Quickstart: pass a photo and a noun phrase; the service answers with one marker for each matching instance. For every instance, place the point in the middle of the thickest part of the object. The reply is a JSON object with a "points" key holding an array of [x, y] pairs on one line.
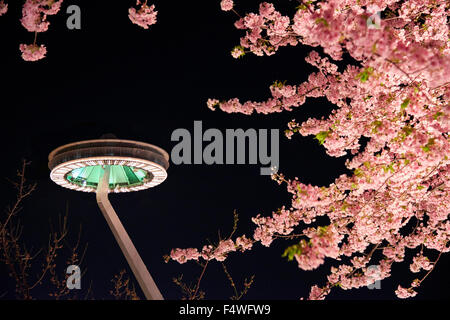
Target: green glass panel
{"points": [[122, 176], [131, 175]]}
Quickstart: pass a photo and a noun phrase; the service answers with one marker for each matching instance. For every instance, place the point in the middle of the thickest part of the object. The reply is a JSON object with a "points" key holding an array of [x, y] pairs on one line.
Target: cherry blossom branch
{"points": [[197, 287]]}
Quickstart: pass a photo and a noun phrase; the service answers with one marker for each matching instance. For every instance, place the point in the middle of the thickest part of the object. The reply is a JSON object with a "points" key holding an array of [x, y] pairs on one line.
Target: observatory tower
{"points": [[112, 165]]}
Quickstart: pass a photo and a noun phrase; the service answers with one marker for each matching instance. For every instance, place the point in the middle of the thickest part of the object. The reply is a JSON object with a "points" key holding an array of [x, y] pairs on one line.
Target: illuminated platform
{"points": [[133, 165]]}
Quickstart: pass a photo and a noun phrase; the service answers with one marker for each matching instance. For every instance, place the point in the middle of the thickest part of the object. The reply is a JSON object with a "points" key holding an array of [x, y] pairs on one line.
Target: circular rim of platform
{"points": [[60, 171], [56, 151]]}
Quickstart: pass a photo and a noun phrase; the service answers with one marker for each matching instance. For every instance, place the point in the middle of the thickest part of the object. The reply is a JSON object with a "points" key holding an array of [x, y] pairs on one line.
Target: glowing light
{"points": [[128, 174]]}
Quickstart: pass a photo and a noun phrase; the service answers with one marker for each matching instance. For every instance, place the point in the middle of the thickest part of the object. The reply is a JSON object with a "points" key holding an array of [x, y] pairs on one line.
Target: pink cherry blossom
{"points": [[244, 243], [238, 52], [395, 96], [34, 19], [183, 255], [145, 16], [317, 293], [405, 293], [3, 8], [33, 52], [35, 12], [226, 5], [420, 262]]}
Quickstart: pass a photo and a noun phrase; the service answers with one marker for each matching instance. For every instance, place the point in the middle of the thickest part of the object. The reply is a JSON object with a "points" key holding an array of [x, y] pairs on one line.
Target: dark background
{"points": [[115, 77]]}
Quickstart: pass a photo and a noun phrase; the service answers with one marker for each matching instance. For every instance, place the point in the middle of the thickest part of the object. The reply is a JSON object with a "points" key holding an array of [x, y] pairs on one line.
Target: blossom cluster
{"points": [[34, 19], [33, 52], [145, 16], [266, 31], [35, 12], [3, 7], [226, 5], [322, 243], [210, 252], [392, 120]]}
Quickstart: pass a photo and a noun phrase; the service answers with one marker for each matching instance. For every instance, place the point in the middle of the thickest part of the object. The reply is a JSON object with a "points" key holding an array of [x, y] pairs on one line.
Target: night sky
{"points": [[114, 77]]}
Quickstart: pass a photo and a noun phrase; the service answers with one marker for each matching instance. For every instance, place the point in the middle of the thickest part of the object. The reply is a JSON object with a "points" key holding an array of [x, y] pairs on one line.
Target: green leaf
{"points": [[374, 48], [427, 147], [321, 136], [293, 250], [279, 84], [358, 172], [300, 190], [322, 230], [322, 21], [407, 130], [376, 124], [437, 115], [344, 206], [389, 167], [405, 104], [364, 75], [303, 6]]}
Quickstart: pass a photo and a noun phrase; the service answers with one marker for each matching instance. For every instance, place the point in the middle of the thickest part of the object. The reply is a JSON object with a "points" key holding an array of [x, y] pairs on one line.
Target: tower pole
{"points": [[135, 262]]}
